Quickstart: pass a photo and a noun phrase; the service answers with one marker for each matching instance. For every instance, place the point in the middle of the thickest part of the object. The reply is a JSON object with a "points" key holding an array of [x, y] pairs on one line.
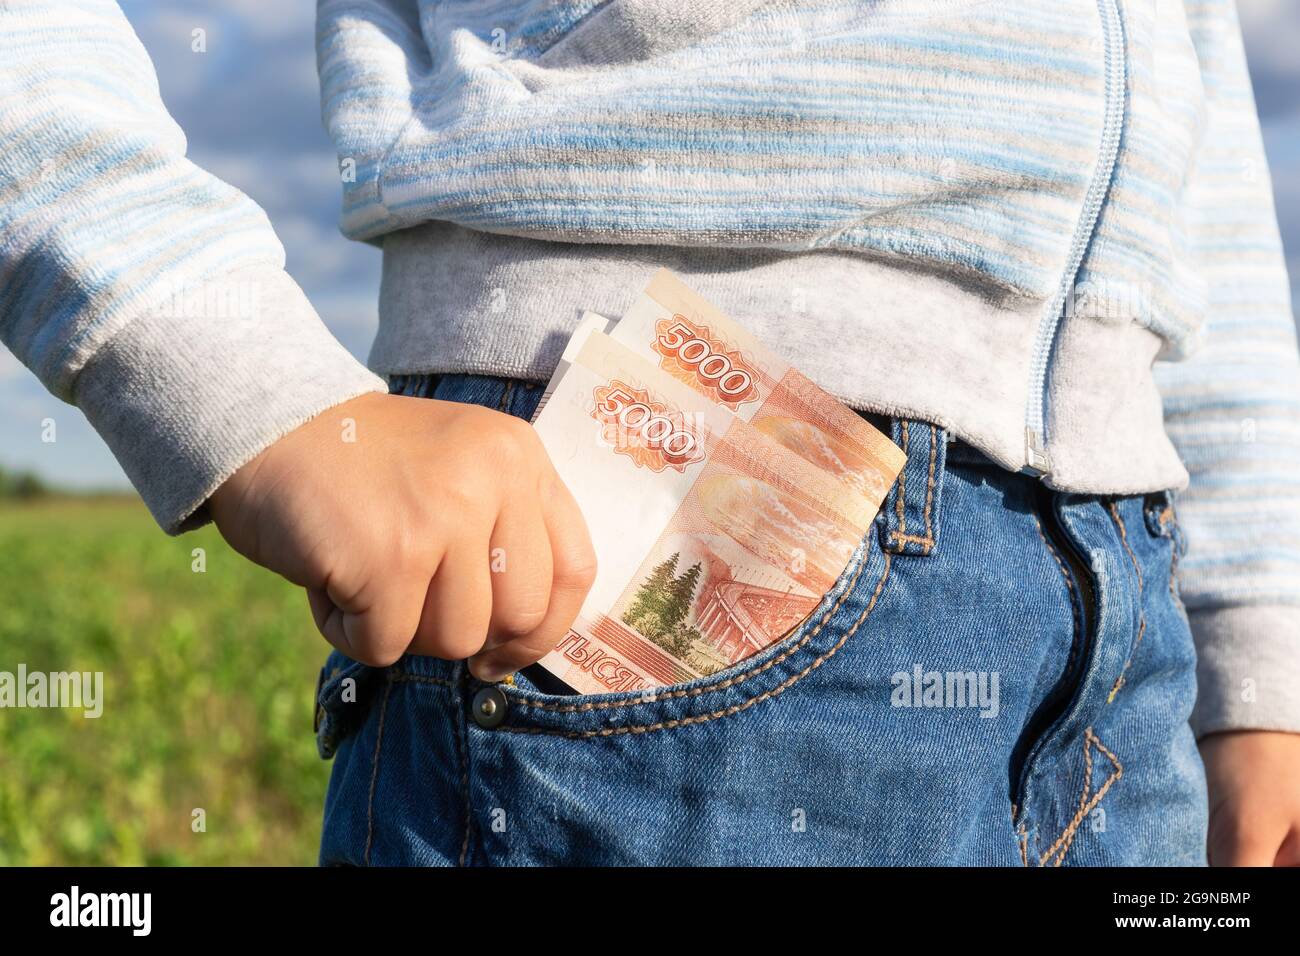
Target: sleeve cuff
{"points": [[1247, 668], [187, 393]]}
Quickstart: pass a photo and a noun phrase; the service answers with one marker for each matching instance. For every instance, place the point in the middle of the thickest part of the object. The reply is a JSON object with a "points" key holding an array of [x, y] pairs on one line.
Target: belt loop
{"points": [[1158, 511], [911, 509]]}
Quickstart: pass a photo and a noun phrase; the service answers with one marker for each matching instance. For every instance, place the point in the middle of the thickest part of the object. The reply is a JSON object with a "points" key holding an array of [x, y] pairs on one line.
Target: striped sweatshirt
{"points": [[1047, 227]]}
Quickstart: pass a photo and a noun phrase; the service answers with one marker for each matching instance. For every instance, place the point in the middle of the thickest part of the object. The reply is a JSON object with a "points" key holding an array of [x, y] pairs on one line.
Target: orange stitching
{"points": [[1120, 681], [402, 677], [1087, 771], [1142, 618], [1024, 846], [1086, 809], [926, 543], [1067, 835], [726, 711], [902, 483], [1123, 537], [374, 776], [1069, 582], [651, 698], [929, 486]]}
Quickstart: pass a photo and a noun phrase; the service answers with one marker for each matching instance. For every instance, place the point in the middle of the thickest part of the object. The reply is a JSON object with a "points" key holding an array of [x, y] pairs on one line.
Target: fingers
{"points": [[1242, 851], [520, 561], [573, 559], [458, 603], [1289, 854], [1236, 839], [373, 631], [573, 569], [502, 594]]}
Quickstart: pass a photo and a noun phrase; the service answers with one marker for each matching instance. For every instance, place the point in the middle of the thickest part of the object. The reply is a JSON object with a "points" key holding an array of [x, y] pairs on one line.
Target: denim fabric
{"points": [[817, 750]]}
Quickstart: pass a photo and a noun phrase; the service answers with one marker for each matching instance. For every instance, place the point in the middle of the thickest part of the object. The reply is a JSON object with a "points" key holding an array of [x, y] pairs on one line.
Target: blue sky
{"points": [[250, 110]]}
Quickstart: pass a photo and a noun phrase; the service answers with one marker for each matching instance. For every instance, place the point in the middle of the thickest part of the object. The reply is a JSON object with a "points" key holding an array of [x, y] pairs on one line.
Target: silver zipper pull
{"points": [[1036, 457]]}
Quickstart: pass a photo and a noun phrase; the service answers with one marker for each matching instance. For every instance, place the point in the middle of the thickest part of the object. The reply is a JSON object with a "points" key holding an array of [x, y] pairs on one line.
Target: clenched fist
{"points": [[417, 525]]}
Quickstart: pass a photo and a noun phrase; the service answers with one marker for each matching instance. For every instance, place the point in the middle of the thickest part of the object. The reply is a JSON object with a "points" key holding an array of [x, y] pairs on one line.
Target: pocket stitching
{"points": [[403, 677], [900, 538], [734, 708], [1142, 617], [1069, 582], [730, 681], [1086, 806]]}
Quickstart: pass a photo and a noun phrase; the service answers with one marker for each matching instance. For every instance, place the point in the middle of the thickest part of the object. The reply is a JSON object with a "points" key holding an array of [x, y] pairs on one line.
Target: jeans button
{"points": [[488, 708]]}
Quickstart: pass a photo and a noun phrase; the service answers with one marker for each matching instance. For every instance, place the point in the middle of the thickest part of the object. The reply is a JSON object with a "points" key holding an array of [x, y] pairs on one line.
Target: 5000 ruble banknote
{"points": [[713, 540], [688, 338]]}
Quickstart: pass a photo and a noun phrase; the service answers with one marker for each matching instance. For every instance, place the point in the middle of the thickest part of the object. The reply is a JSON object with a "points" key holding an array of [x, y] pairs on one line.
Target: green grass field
{"points": [[208, 680]]}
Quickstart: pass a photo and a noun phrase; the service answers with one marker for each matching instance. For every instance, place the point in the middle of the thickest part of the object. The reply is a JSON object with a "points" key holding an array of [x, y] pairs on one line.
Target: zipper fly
{"points": [[1037, 459]]}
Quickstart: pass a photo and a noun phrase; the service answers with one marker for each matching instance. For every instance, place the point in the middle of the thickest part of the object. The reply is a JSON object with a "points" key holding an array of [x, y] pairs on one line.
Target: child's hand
{"points": [[1254, 778], [435, 527]]}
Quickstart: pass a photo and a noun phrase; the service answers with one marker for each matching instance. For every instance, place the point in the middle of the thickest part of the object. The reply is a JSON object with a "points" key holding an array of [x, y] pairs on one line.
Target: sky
{"points": [[250, 110]]}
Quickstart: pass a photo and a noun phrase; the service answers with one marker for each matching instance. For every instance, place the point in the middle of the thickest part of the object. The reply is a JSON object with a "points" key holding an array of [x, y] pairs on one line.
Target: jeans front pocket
{"points": [[841, 613], [531, 708], [344, 693]]}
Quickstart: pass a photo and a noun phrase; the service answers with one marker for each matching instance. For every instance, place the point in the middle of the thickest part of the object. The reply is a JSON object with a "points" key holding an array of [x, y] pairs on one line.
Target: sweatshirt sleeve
{"points": [[133, 283], [1233, 411]]}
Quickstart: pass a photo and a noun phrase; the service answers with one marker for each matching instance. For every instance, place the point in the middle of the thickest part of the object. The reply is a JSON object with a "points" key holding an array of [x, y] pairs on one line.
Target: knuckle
{"points": [[514, 441], [461, 496], [523, 617], [578, 572], [379, 654], [458, 646], [537, 646], [407, 547], [449, 646]]}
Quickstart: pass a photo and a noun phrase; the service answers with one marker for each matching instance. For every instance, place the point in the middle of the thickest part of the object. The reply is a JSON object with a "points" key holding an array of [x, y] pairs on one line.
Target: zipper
{"points": [[1038, 461], [1080, 569], [1043, 723]]}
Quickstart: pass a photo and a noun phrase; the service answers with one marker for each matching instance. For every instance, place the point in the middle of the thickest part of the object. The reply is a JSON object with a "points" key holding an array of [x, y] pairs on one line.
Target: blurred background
{"points": [[209, 676]]}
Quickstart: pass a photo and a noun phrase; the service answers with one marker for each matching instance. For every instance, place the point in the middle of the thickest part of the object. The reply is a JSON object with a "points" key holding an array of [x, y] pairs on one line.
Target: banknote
{"points": [[687, 337], [588, 323], [713, 540]]}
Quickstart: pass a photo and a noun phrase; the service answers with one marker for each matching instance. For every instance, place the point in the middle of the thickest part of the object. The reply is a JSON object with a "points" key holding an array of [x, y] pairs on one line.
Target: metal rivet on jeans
{"points": [[489, 707]]}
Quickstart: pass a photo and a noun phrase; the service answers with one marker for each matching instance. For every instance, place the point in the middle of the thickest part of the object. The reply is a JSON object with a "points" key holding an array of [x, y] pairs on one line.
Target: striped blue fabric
{"points": [[101, 215], [1233, 408], [956, 138]]}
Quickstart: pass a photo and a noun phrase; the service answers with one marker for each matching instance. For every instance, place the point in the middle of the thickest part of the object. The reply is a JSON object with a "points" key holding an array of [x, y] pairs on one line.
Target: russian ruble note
{"points": [[713, 540], [688, 338]]}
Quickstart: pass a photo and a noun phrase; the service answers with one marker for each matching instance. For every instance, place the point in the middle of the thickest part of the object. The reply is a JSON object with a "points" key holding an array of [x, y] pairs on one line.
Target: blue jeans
{"points": [[1002, 676]]}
